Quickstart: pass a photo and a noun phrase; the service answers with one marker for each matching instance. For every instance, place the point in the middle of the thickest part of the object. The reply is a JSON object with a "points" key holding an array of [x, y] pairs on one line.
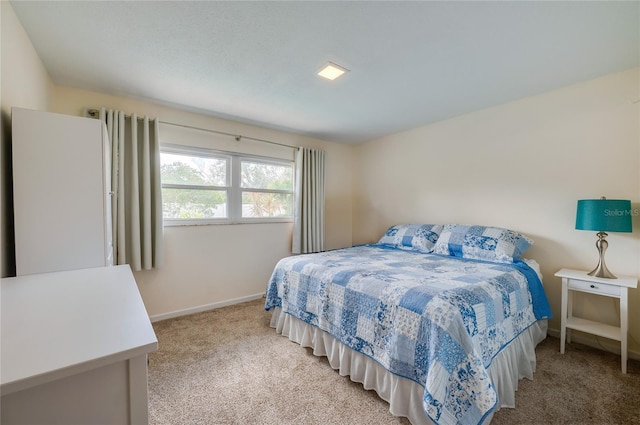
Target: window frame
{"points": [[234, 189]]}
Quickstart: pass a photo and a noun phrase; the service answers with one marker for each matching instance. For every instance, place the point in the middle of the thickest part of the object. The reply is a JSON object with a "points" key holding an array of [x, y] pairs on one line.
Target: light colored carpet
{"points": [[227, 366]]}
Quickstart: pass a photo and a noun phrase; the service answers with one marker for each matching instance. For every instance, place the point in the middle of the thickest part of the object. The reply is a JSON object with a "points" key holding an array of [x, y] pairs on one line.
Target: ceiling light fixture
{"points": [[331, 71]]}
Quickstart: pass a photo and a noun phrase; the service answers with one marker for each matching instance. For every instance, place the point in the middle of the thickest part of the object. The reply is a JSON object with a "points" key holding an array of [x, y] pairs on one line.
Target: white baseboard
{"points": [[206, 307], [595, 342]]}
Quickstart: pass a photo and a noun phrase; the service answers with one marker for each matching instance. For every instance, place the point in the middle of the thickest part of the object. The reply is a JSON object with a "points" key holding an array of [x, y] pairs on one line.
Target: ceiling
{"points": [[411, 63]]}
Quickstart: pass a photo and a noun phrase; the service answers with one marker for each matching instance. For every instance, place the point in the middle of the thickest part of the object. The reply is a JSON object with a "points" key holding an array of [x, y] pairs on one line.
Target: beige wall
{"points": [[24, 83], [212, 265], [521, 165]]}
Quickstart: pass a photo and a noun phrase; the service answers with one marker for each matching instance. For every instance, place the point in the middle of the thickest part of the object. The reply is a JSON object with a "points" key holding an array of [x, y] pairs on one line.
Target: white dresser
{"points": [[74, 348]]}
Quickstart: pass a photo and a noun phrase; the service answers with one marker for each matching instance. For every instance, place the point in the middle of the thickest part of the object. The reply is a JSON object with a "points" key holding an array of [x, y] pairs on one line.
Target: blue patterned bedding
{"points": [[434, 319]]}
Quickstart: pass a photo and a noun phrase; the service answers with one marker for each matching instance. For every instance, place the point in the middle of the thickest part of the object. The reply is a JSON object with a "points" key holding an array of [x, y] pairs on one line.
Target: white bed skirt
{"points": [[516, 361]]}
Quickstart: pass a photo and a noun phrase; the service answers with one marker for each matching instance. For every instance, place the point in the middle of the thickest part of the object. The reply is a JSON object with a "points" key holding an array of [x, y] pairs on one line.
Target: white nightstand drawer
{"points": [[595, 288]]}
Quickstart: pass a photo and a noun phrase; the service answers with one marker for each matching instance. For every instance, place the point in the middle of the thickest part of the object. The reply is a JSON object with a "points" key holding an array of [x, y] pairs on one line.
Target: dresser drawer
{"points": [[594, 288]]}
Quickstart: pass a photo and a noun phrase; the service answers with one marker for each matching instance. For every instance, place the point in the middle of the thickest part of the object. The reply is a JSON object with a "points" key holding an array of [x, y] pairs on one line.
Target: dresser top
{"points": [[59, 324]]}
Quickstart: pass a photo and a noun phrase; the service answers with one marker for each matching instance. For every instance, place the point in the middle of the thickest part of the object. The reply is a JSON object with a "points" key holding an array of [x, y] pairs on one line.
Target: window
{"points": [[201, 186], [267, 189]]}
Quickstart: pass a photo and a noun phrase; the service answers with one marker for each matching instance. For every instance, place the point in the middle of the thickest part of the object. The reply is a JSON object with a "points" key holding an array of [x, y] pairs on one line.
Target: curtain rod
{"points": [[94, 113]]}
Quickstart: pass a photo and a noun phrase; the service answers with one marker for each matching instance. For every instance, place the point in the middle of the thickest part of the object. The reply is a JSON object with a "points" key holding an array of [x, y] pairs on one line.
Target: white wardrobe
{"points": [[62, 192]]}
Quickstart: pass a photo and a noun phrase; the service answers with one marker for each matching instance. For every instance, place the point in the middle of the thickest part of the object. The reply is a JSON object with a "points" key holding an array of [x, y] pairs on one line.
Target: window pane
{"points": [[193, 170], [256, 175], [191, 203], [260, 204]]}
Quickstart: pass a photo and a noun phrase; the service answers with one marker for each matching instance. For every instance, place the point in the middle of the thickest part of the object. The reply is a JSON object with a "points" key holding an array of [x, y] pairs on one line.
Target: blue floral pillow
{"points": [[417, 237], [482, 243]]}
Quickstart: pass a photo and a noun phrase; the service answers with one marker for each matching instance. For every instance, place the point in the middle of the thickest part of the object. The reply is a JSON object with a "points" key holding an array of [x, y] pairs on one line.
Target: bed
{"points": [[440, 320]]}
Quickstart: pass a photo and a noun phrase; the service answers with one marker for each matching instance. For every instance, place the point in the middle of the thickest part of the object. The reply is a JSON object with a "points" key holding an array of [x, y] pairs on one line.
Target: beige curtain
{"points": [[308, 216], [135, 180]]}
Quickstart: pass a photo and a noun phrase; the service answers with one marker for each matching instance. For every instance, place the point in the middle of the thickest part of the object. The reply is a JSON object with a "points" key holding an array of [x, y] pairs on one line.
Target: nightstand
{"points": [[576, 280]]}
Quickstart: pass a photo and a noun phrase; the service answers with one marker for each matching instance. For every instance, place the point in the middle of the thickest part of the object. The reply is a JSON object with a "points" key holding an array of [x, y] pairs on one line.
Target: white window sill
{"points": [[180, 223]]}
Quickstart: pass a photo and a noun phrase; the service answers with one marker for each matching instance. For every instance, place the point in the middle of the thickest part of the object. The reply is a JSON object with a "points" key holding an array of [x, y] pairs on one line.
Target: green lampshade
{"points": [[604, 215]]}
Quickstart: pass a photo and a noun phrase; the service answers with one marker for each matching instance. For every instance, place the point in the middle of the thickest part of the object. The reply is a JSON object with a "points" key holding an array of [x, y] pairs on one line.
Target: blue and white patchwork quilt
{"points": [[437, 320]]}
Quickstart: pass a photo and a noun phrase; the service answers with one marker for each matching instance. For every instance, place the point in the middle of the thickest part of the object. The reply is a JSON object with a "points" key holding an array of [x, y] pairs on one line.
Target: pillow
{"points": [[418, 237], [482, 243]]}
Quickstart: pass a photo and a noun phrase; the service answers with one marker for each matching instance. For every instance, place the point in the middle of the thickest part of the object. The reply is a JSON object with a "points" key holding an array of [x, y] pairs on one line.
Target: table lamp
{"points": [[603, 215]]}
